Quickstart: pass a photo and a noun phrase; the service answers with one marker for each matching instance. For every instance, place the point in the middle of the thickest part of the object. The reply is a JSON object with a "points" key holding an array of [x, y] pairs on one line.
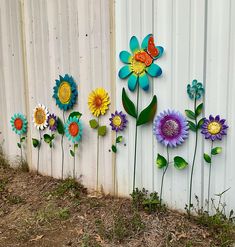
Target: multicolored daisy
{"points": [[170, 128], [137, 67], [40, 115], [118, 121], [73, 129], [65, 92], [19, 123], [214, 128], [52, 122], [98, 102]]}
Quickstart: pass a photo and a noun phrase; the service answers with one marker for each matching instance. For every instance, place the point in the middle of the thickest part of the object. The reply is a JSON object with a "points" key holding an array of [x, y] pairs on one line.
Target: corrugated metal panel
{"points": [[42, 39]]}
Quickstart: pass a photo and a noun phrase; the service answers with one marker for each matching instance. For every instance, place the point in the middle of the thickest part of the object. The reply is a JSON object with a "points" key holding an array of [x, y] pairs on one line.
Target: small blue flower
{"points": [[73, 129], [196, 90], [140, 63], [19, 123], [65, 92]]}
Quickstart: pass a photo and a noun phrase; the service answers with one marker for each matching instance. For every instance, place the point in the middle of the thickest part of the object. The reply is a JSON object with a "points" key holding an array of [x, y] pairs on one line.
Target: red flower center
{"points": [[18, 123], [98, 101], [73, 129]]}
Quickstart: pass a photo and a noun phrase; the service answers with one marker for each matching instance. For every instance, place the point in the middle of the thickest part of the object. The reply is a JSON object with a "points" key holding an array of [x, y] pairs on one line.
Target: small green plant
{"points": [[89, 241], [3, 184], [152, 203], [4, 163], [63, 213], [14, 199], [138, 197]]}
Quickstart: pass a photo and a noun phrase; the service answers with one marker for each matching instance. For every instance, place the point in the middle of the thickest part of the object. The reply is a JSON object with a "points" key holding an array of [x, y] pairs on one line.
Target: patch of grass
{"points": [[24, 166], [14, 199], [63, 213], [4, 162], [89, 241], [3, 184], [69, 187]]}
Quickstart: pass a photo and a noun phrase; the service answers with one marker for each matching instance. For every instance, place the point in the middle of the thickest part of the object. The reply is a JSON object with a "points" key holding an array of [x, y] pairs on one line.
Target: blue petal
{"points": [[144, 81], [125, 56], [145, 41], [134, 44], [132, 81], [154, 70], [124, 72], [161, 50]]}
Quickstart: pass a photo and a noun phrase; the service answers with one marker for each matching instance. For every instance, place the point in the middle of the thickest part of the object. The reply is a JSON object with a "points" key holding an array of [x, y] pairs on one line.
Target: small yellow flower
{"points": [[98, 102]]}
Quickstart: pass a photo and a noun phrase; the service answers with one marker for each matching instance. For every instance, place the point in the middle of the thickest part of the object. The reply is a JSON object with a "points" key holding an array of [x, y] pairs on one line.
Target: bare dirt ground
{"points": [[41, 211]]}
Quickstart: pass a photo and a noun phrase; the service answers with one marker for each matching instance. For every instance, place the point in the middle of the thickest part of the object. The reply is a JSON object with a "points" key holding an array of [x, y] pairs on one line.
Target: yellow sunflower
{"points": [[98, 102]]}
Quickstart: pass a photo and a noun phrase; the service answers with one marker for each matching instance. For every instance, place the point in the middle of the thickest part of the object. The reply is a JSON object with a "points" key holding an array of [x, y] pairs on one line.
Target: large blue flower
{"points": [[19, 123], [140, 63], [73, 129], [65, 92]]}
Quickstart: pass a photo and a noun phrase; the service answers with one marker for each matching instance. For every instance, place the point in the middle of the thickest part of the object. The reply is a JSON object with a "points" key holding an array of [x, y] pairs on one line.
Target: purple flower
{"points": [[118, 121], [170, 128], [52, 122], [214, 128]]}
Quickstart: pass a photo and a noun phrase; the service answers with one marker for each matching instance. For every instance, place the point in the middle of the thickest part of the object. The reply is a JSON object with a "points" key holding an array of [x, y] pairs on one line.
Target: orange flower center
{"points": [[98, 101], [73, 129], [18, 123]]}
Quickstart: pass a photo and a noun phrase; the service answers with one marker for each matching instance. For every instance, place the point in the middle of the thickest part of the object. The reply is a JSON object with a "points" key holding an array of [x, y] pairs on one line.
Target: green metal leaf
{"points": [[114, 148], [93, 123], [19, 145], [190, 114], [148, 113], [47, 138], [50, 144], [180, 163], [199, 110], [72, 153], [128, 104], [60, 126], [192, 126], [216, 150], [119, 139], [102, 131], [35, 142], [200, 123], [207, 158], [75, 114], [75, 145], [22, 139], [161, 161]]}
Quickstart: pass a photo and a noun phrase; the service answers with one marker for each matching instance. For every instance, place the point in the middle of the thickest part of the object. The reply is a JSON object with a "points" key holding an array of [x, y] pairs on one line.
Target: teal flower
{"points": [[73, 129], [65, 92], [196, 90], [140, 62], [19, 123]]}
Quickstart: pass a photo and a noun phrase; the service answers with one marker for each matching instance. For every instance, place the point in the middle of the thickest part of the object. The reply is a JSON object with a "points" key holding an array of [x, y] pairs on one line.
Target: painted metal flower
{"points": [[214, 128], [73, 129], [118, 121], [19, 123], [40, 115], [65, 92], [98, 102], [140, 62], [52, 122], [170, 128], [196, 90]]}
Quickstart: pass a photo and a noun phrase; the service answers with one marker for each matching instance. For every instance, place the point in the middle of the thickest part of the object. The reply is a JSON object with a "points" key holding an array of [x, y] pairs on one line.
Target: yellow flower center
{"points": [[137, 67], [64, 92], [214, 128], [40, 116], [117, 121], [51, 121]]}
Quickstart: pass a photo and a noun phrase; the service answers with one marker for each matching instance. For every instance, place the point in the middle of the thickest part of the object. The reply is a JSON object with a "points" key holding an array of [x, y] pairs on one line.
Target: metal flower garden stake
{"points": [[73, 131], [170, 129], [40, 115], [213, 128], [140, 64], [118, 122], [195, 93], [65, 94], [19, 125], [98, 102]]}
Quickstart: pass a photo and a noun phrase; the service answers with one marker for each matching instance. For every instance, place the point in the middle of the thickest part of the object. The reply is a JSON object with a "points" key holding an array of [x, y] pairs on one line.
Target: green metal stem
{"points": [[209, 181], [97, 161], [62, 151], [39, 146]]}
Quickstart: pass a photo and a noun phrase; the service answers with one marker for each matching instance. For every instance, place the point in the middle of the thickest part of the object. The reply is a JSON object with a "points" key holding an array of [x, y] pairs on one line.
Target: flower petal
{"points": [[161, 50], [144, 44], [134, 44], [125, 56], [144, 81], [124, 72], [132, 81], [154, 70]]}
